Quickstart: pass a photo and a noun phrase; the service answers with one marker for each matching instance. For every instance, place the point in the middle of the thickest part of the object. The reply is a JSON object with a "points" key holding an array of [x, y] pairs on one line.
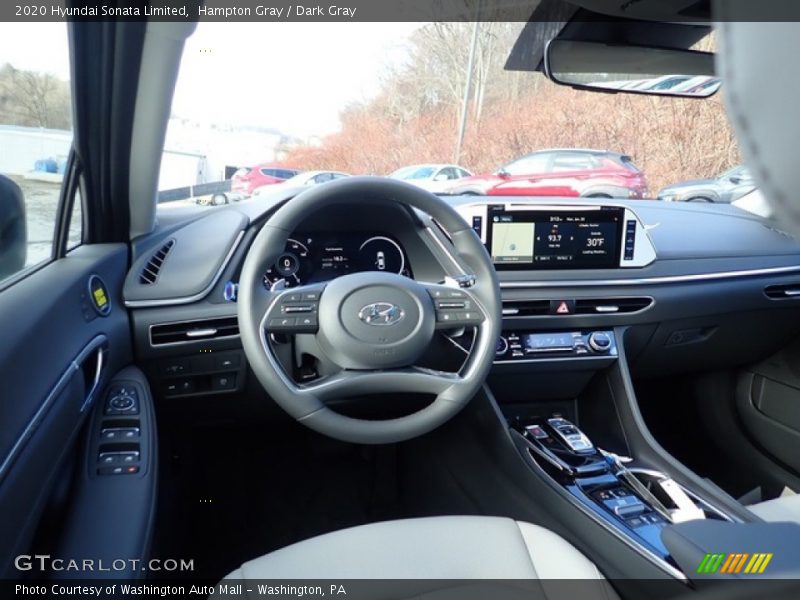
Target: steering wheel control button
{"points": [[309, 321], [295, 311], [282, 323], [454, 308]]}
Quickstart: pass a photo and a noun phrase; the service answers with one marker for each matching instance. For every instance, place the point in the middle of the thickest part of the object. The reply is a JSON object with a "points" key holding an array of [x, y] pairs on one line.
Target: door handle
{"points": [[93, 362]]}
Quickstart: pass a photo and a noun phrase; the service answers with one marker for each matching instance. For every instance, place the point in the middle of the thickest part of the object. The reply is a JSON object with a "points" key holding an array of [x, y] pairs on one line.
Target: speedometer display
{"points": [[312, 258]]}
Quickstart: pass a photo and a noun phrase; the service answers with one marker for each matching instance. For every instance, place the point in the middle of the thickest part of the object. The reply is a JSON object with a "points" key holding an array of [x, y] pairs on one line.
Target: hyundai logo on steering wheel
{"points": [[381, 314]]}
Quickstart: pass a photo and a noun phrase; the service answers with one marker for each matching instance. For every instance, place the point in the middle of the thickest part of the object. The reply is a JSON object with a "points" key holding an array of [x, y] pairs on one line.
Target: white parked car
{"points": [[434, 178], [306, 178]]}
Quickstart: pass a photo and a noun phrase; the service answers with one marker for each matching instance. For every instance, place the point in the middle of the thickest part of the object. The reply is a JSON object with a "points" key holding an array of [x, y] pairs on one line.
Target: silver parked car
{"points": [[726, 188]]}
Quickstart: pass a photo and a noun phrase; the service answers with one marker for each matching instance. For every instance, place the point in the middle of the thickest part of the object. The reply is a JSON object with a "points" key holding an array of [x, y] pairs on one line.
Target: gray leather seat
{"points": [[785, 508], [457, 547]]}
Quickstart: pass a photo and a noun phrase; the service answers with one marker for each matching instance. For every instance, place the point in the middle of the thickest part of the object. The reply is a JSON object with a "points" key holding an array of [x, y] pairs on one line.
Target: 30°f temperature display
{"points": [[573, 238]]}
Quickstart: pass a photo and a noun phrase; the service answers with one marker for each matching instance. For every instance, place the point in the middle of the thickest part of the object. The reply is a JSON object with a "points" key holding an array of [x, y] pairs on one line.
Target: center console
{"points": [[634, 502]]}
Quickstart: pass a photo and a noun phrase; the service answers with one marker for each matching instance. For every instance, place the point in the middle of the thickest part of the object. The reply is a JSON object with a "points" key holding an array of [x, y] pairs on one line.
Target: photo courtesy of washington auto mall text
{"points": [[219, 591]]}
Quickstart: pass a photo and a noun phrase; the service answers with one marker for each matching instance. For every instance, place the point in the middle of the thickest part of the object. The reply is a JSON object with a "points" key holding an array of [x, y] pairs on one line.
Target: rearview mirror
{"points": [[631, 69], [13, 232]]}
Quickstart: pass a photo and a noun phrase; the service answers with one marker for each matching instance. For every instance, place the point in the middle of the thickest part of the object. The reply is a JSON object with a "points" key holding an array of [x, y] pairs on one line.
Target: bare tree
{"points": [[34, 99]]}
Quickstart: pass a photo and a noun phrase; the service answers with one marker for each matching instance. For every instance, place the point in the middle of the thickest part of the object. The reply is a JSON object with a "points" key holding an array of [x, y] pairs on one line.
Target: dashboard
{"points": [[685, 283], [313, 257]]}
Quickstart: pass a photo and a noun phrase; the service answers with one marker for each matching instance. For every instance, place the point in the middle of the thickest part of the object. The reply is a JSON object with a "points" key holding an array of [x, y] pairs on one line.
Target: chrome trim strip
{"points": [[73, 367], [650, 280], [198, 296], [549, 359], [201, 333]]}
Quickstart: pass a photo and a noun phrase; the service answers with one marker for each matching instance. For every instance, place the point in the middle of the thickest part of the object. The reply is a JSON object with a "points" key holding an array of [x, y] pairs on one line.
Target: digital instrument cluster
{"points": [[311, 258]]}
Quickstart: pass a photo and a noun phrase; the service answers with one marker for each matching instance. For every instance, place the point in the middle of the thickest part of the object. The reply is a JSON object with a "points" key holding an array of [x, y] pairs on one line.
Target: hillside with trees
{"points": [[415, 117]]}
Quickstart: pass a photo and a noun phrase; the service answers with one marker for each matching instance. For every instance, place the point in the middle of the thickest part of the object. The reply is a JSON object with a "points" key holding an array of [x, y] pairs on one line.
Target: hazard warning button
{"points": [[562, 307]]}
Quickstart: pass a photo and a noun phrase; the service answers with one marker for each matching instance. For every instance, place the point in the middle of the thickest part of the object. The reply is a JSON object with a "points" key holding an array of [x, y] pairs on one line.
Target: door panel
{"points": [[56, 356]]}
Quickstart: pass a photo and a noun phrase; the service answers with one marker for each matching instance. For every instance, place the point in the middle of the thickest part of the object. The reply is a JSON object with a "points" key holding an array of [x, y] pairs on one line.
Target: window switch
{"points": [[118, 470]]}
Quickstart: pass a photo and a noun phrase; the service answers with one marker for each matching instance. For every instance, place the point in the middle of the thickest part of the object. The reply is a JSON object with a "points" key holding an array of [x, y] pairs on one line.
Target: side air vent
{"points": [[193, 331], [150, 272], [783, 291], [594, 306]]}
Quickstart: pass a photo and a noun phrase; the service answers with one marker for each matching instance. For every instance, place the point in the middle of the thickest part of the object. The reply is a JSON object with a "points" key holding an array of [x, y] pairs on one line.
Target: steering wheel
{"points": [[373, 326]]}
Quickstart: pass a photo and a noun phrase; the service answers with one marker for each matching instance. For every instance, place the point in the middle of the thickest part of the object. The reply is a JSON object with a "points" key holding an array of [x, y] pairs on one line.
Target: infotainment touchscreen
{"points": [[587, 238]]}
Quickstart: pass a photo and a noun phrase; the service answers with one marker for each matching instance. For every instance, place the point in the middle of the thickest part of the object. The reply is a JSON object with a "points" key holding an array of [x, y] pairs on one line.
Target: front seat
{"points": [[762, 105], [784, 508], [456, 547]]}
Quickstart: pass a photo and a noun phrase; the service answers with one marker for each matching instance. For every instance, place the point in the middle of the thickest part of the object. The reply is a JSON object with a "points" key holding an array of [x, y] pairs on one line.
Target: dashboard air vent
{"points": [[582, 306], [150, 272], [594, 306], [526, 308], [782, 291], [193, 331]]}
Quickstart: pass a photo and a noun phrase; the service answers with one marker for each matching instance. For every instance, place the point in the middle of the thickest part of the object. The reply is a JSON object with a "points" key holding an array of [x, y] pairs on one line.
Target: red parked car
{"points": [[247, 179], [568, 172]]}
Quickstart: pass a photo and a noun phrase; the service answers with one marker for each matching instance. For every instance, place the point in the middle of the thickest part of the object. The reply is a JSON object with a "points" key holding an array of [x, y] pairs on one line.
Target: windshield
{"points": [[405, 100]]}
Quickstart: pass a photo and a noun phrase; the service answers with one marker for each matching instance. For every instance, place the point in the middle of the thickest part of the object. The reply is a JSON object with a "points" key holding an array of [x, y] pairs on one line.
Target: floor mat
{"points": [[231, 494]]}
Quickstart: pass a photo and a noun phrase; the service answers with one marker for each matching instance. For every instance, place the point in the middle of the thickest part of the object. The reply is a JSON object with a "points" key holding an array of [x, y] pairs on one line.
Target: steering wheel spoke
{"points": [[455, 307], [294, 310], [359, 383]]}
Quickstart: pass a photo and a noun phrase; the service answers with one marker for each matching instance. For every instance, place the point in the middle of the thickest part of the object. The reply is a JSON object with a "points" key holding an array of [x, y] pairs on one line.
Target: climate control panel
{"points": [[529, 346]]}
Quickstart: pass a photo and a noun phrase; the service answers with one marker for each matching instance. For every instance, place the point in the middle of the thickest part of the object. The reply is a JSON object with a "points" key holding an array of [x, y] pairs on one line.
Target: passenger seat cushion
{"points": [[785, 508]]}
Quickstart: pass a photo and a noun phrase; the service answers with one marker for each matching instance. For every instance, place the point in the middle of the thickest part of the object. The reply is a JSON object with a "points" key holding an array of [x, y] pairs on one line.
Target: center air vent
{"points": [[593, 306], [193, 331], [582, 306], [150, 272], [782, 291], [526, 308]]}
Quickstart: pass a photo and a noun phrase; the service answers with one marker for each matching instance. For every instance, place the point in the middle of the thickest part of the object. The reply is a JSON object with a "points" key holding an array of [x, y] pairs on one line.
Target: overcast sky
{"points": [[295, 77]]}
